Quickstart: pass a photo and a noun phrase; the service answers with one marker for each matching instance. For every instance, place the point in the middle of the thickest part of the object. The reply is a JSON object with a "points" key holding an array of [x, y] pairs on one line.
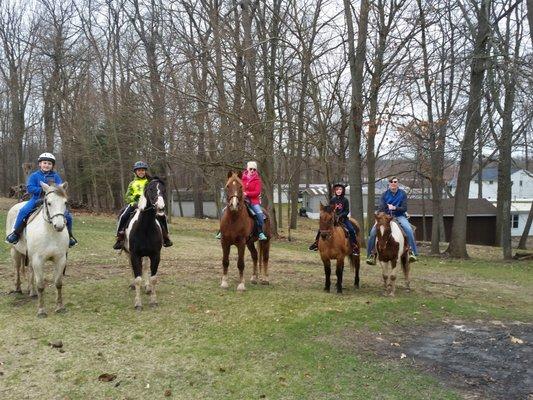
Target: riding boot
{"points": [[355, 249], [14, 236], [71, 239], [164, 230], [119, 244]]}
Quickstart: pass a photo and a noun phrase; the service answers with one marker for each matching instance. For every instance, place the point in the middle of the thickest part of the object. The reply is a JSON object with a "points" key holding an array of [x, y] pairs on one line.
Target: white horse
{"points": [[44, 239]]}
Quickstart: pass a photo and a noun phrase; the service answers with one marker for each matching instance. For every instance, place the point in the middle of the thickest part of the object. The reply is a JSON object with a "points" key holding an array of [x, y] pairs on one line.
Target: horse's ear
{"points": [[45, 187], [240, 174], [64, 185], [230, 174]]}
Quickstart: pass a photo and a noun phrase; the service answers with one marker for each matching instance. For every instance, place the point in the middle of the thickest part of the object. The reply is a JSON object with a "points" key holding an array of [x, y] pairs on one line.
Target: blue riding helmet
{"points": [[139, 165]]}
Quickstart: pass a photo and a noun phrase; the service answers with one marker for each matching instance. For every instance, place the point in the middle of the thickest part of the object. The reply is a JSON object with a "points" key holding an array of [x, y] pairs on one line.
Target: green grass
{"points": [[289, 340]]}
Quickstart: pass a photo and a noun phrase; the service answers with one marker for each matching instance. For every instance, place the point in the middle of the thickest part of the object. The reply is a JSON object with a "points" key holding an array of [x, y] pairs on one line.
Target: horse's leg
{"points": [[327, 273], [392, 277], [406, 270], [385, 274], [146, 275], [356, 263], [136, 264], [38, 273], [253, 253], [240, 266], [264, 254], [154, 264], [225, 264], [17, 264], [31, 281], [58, 281], [339, 271]]}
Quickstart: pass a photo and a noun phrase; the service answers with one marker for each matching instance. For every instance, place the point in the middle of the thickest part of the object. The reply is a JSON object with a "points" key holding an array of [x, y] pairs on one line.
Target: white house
{"points": [[519, 212], [522, 184]]}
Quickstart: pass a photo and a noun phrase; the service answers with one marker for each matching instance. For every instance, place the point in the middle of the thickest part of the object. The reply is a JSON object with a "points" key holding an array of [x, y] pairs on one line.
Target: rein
{"points": [[46, 215]]}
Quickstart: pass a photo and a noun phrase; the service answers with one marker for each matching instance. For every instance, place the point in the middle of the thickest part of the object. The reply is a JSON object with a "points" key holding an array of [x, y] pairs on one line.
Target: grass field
{"points": [[289, 340]]}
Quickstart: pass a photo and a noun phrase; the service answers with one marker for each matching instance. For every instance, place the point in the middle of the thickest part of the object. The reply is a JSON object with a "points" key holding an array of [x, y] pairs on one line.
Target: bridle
{"points": [[46, 215], [329, 232], [151, 203]]}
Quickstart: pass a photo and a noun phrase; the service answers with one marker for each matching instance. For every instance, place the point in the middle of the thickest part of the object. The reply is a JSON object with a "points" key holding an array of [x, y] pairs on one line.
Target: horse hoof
{"points": [[253, 280], [42, 314], [132, 286], [61, 310], [33, 296], [139, 308], [148, 290], [241, 287], [154, 304], [264, 282], [16, 291], [224, 285], [326, 289]]}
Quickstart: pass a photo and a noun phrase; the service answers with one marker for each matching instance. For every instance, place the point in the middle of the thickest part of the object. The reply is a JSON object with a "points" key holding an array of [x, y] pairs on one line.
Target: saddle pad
{"points": [[34, 212]]}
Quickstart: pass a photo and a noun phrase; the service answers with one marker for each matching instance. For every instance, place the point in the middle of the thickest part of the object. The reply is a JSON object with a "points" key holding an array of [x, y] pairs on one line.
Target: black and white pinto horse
{"points": [[144, 238]]}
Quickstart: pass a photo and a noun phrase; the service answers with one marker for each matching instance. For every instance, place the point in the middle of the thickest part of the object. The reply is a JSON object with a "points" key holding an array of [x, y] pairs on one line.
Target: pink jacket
{"points": [[252, 185]]}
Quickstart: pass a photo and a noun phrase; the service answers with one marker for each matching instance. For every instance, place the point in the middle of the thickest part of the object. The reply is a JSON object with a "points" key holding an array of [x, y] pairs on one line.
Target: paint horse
{"points": [[44, 239], [334, 245], [391, 248], [144, 238], [238, 228]]}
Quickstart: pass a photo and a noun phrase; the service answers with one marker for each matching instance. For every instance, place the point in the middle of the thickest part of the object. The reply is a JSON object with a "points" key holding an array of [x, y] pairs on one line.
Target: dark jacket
{"points": [[398, 199], [341, 205]]}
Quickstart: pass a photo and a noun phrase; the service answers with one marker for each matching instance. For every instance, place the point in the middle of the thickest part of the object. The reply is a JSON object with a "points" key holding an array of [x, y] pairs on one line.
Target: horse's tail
{"points": [[359, 232]]}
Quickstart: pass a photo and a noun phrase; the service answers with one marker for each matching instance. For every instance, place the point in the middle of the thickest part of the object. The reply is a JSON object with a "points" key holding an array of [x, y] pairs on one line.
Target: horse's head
{"points": [[55, 205], [383, 230], [328, 219], [382, 219], [234, 191], [153, 196]]}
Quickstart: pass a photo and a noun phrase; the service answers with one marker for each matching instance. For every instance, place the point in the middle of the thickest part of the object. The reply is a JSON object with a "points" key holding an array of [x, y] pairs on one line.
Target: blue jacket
{"points": [[398, 199], [33, 186]]}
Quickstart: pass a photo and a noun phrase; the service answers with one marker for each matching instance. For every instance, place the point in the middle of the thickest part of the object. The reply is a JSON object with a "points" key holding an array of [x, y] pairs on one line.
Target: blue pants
{"points": [[351, 229], [406, 226], [259, 216], [25, 211]]}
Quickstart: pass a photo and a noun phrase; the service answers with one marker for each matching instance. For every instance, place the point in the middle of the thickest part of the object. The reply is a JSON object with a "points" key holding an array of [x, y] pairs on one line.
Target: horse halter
{"points": [[149, 200], [46, 215], [329, 232]]}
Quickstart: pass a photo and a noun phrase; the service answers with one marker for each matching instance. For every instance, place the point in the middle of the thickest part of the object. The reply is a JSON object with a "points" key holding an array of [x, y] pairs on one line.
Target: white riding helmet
{"points": [[251, 164], [47, 157]]}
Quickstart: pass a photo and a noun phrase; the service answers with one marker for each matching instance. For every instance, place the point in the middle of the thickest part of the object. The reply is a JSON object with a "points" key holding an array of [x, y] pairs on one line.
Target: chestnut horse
{"points": [[237, 228], [334, 245], [391, 248]]}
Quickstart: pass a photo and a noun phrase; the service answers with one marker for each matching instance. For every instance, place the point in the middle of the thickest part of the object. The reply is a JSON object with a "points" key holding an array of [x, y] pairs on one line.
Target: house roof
{"points": [[476, 207], [491, 173]]}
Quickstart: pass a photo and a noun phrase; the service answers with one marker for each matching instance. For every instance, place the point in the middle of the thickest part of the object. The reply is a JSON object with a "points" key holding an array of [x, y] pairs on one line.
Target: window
{"points": [[520, 183], [491, 182], [514, 221]]}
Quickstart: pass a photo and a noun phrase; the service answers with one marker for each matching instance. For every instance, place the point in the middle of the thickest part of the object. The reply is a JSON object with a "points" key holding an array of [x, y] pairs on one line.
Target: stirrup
{"points": [[314, 246], [371, 260], [262, 236], [72, 241], [412, 257], [218, 235], [119, 244], [167, 242]]}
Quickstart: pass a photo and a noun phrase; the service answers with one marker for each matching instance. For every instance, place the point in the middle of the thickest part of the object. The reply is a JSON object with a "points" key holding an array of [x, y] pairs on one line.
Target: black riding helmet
{"points": [[341, 185], [139, 165]]}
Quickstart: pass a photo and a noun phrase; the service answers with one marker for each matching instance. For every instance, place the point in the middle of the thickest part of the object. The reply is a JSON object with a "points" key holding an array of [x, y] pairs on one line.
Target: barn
{"points": [[481, 220]]}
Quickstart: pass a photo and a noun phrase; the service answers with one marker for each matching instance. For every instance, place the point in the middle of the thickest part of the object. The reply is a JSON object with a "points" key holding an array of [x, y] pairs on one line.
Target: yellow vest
{"points": [[135, 190]]}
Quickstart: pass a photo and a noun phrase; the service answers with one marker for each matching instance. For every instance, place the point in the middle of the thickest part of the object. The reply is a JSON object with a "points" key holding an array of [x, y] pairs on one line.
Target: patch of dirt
{"points": [[482, 359]]}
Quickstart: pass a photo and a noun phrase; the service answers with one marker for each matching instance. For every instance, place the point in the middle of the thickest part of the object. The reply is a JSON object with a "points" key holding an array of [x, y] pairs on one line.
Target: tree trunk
{"points": [[457, 247]]}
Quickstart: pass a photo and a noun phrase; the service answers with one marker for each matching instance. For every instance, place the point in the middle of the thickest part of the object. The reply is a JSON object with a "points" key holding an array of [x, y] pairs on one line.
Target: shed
{"points": [[187, 204], [480, 225]]}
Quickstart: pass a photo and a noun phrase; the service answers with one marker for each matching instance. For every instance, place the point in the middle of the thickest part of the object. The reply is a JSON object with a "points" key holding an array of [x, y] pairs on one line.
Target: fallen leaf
{"points": [[395, 344], [403, 355], [168, 393], [107, 377], [516, 340]]}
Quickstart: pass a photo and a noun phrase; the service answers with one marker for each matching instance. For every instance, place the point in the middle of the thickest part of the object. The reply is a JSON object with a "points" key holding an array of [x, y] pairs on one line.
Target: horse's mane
{"points": [[328, 208], [234, 177], [59, 190]]}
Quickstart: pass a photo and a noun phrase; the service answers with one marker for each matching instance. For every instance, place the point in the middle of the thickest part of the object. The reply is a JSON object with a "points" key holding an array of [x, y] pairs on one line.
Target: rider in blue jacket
{"points": [[393, 202], [45, 174]]}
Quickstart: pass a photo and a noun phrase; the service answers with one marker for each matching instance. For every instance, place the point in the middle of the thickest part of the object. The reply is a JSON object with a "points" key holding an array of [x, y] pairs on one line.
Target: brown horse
{"points": [[391, 247], [334, 245], [237, 228]]}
